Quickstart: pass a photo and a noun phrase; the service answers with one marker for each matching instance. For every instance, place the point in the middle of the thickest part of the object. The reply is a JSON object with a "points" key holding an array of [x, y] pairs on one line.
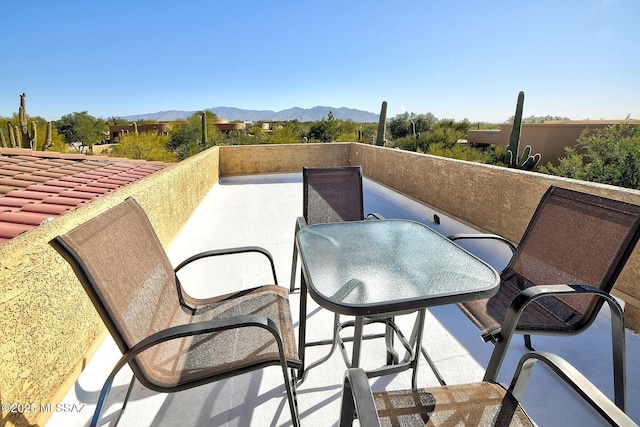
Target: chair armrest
{"points": [[570, 375], [532, 293], [191, 329], [478, 236], [526, 296], [357, 400], [199, 328], [231, 251]]}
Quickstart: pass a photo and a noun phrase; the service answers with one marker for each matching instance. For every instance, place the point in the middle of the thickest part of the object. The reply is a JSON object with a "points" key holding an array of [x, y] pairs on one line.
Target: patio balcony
{"points": [[58, 350]]}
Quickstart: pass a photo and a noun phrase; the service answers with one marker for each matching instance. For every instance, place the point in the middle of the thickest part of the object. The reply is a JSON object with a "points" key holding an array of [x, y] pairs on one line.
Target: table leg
{"points": [[357, 342], [392, 355], [416, 338], [416, 359]]}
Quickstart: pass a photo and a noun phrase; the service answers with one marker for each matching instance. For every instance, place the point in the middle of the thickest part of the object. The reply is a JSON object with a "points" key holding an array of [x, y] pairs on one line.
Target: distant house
{"points": [[162, 128], [548, 138]]}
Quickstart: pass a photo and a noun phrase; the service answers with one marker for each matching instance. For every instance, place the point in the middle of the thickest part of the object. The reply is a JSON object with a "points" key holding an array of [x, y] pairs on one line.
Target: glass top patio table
{"points": [[378, 269], [362, 268]]}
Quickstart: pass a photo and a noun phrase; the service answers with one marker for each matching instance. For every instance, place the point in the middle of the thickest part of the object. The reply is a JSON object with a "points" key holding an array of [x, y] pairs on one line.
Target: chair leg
{"points": [[290, 384], [105, 392], [294, 269], [527, 342], [619, 353], [126, 399], [294, 262]]}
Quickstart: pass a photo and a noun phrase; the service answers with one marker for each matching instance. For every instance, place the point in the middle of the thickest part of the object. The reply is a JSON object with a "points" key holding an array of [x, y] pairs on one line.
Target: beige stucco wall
{"points": [[48, 326], [47, 323], [491, 198], [494, 199], [252, 159]]}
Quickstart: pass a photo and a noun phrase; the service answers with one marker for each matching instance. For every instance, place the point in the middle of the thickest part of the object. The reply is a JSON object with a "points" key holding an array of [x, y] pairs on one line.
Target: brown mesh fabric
{"points": [[480, 404], [573, 238], [332, 194], [133, 286]]}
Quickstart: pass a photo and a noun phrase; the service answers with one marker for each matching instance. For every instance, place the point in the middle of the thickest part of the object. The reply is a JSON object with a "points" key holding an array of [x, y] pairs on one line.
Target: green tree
{"points": [[403, 125], [287, 133], [81, 127], [325, 130], [610, 155], [464, 152], [347, 131], [185, 139], [57, 143], [537, 119], [145, 146], [117, 121]]}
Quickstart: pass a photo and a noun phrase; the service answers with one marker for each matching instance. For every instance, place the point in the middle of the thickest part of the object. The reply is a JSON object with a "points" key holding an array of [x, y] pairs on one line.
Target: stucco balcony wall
{"points": [[48, 325], [490, 198], [493, 199]]}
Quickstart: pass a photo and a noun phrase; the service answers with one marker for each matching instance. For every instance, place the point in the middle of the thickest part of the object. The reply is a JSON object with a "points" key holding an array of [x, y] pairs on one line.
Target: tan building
{"points": [[160, 128], [163, 128], [548, 138]]}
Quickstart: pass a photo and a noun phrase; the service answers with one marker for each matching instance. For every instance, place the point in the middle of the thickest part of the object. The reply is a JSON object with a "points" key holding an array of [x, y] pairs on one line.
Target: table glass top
{"points": [[370, 263]]}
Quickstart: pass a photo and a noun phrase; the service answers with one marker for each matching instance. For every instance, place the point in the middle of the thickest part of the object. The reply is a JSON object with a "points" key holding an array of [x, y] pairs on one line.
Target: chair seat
{"points": [[476, 404], [187, 359], [548, 313], [171, 340]]}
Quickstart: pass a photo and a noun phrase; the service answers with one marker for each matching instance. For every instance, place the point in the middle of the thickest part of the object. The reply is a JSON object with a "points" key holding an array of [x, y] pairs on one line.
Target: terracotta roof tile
{"points": [[36, 186], [21, 217], [16, 182], [47, 208], [104, 185], [14, 201], [27, 194], [9, 230], [54, 189], [75, 194]]}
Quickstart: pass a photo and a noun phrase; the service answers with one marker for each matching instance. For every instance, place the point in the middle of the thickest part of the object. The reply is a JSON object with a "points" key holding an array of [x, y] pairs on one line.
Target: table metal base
{"points": [[413, 347]]}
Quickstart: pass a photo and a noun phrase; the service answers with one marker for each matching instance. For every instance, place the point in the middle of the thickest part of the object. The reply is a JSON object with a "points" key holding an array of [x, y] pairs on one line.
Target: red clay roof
{"points": [[38, 186]]}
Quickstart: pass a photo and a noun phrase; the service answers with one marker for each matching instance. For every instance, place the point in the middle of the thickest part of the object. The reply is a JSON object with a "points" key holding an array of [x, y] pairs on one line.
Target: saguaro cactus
{"points": [[28, 139], [512, 157], [204, 128], [382, 124], [47, 140], [17, 136], [12, 136], [3, 142]]}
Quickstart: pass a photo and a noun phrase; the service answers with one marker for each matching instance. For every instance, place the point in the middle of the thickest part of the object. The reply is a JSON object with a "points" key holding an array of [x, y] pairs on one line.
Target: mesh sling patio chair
{"points": [[171, 340], [485, 403], [332, 194], [560, 275]]}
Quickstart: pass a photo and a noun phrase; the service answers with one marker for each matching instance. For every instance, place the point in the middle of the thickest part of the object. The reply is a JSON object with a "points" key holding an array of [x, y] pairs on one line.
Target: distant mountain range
{"points": [[237, 114]]}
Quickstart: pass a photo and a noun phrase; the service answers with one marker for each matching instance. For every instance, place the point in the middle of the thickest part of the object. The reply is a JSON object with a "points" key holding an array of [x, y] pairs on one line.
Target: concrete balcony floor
{"points": [[261, 210]]}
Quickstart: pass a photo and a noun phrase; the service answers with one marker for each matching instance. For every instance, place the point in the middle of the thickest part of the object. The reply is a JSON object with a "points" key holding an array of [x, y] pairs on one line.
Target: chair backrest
{"points": [[332, 194], [575, 238], [126, 273]]}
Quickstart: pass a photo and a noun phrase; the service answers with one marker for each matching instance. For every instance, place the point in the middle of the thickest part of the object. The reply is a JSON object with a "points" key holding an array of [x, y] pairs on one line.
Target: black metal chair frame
{"points": [[501, 338], [358, 402], [302, 222], [181, 331]]}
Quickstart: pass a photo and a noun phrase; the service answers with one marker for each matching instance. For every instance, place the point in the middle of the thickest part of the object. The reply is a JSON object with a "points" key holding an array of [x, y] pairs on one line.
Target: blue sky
{"points": [[455, 59]]}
